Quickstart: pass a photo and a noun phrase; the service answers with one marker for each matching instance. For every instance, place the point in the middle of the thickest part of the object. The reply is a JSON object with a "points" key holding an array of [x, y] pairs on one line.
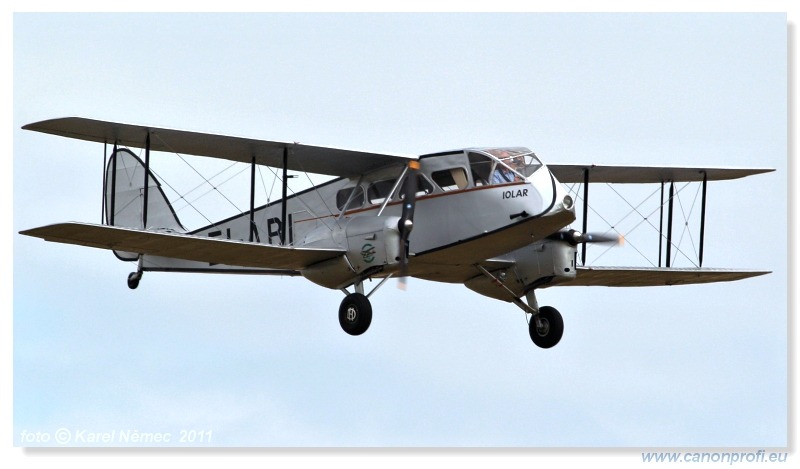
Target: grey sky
{"points": [[262, 361]]}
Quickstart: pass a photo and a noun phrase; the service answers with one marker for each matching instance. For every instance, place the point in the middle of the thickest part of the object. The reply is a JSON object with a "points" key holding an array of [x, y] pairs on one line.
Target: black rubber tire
{"points": [[355, 314], [551, 334], [133, 280]]}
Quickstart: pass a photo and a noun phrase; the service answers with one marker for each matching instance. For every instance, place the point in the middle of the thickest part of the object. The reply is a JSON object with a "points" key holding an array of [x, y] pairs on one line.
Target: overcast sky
{"points": [[263, 362]]}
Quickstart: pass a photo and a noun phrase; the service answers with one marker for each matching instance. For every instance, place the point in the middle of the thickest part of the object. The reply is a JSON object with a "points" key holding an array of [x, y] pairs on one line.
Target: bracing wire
{"points": [[220, 184], [300, 199], [645, 218], [324, 202], [686, 221], [206, 181], [214, 188], [186, 194], [164, 181]]}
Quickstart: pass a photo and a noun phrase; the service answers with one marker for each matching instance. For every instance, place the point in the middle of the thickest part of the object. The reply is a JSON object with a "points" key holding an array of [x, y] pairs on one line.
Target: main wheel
{"points": [[547, 331], [355, 314]]}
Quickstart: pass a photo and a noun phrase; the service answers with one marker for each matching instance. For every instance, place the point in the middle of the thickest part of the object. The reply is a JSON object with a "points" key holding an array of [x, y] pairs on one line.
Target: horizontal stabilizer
{"points": [[181, 246], [655, 276], [571, 173]]}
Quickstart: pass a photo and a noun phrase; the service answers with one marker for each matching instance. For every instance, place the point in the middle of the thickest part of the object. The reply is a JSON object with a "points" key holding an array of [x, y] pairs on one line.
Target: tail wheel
{"points": [[546, 329], [355, 314], [133, 280]]}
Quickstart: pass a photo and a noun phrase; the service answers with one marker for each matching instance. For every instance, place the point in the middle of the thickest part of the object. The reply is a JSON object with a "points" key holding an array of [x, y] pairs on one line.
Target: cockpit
{"points": [[501, 165], [479, 167]]}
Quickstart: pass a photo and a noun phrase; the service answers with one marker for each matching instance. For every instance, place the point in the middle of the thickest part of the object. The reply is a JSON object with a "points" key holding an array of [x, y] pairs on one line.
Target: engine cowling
{"points": [[372, 244]]}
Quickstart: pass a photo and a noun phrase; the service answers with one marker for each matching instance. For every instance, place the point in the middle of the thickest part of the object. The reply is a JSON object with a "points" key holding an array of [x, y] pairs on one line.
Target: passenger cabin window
{"points": [[481, 168], [451, 179], [423, 187], [344, 194], [378, 191]]}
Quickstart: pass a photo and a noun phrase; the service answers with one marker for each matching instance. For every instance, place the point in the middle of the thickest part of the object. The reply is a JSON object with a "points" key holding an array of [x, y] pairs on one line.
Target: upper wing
{"points": [[570, 173], [654, 276], [181, 246], [305, 158]]}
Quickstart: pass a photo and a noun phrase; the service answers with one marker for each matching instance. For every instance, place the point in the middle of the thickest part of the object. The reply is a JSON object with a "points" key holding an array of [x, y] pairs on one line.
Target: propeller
{"points": [[575, 237], [409, 195]]}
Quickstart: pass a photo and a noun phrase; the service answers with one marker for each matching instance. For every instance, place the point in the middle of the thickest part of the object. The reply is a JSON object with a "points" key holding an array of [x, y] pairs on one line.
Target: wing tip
{"points": [[46, 124]]}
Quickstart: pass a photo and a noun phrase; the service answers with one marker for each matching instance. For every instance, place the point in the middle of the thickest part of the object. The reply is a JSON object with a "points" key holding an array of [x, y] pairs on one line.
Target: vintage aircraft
{"points": [[494, 219]]}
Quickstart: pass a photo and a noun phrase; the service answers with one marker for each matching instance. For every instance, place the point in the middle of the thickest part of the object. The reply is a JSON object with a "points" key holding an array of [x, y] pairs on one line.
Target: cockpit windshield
{"points": [[502, 165]]}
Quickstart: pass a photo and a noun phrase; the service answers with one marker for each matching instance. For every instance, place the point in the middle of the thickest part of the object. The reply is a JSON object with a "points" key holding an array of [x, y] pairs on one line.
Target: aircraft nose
{"points": [[563, 202]]}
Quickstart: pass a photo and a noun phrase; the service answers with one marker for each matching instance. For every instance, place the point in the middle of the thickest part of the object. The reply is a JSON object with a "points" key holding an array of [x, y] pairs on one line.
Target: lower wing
{"points": [[182, 246], [654, 276]]}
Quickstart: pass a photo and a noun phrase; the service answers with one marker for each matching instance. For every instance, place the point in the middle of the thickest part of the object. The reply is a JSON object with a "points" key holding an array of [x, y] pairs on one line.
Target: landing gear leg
{"points": [[546, 326], [135, 277], [355, 312]]}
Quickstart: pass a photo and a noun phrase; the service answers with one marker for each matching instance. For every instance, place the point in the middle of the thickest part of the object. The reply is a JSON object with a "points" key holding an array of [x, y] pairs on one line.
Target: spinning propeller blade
{"points": [[574, 238], [602, 238]]}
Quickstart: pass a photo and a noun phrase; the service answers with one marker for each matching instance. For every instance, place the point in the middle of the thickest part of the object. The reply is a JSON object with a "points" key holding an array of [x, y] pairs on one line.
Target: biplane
{"points": [[494, 219]]}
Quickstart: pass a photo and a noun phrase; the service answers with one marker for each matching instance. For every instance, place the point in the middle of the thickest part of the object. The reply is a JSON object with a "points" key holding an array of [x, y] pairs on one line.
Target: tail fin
{"points": [[124, 198]]}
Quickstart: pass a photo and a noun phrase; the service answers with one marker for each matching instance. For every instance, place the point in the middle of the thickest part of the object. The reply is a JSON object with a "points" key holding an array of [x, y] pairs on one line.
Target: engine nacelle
{"points": [[537, 264], [546, 259], [372, 244], [372, 241]]}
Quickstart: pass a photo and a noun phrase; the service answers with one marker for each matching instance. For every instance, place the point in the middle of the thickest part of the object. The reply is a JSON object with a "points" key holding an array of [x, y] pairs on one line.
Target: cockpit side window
{"points": [[344, 194], [522, 161], [451, 179]]}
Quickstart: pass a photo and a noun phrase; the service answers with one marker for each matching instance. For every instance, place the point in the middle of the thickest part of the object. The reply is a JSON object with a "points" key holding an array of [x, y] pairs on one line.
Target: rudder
{"points": [[124, 198]]}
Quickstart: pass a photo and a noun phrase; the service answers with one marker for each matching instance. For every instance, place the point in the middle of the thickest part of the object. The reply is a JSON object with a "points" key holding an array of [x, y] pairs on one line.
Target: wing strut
{"points": [[110, 214], [703, 218], [669, 221], [146, 179], [283, 200], [103, 198], [253, 232], [661, 225], [585, 210]]}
